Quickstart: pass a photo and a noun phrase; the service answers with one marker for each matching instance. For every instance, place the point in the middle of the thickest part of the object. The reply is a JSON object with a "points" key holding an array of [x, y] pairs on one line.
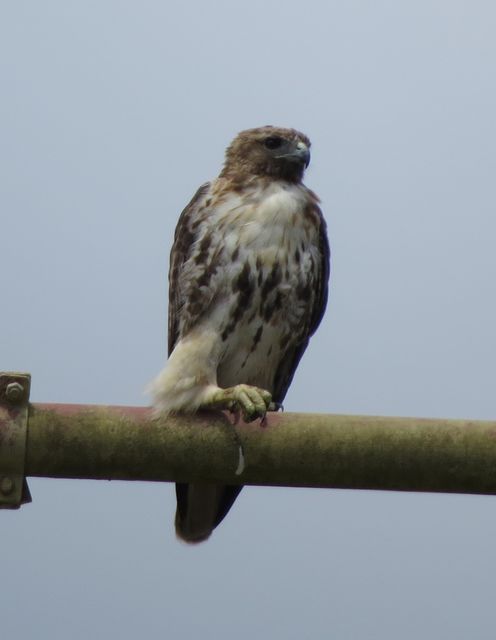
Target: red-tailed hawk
{"points": [[247, 288]]}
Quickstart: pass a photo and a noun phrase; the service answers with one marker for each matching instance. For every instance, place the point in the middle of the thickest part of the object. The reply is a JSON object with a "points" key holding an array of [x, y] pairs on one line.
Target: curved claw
{"points": [[251, 401]]}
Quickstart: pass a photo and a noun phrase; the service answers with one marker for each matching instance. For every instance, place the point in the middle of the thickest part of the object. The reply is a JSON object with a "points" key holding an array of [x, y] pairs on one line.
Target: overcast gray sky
{"points": [[111, 114]]}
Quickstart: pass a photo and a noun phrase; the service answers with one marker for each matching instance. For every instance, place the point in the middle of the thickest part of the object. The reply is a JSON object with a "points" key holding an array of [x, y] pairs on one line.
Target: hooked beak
{"points": [[299, 154]]}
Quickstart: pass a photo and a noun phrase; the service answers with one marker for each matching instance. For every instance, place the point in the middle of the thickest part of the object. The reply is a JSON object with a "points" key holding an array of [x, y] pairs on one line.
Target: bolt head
{"points": [[14, 392], [7, 485]]}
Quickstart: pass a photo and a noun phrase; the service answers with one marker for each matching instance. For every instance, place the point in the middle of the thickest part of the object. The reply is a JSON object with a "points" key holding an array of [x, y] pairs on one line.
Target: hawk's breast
{"points": [[269, 259]]}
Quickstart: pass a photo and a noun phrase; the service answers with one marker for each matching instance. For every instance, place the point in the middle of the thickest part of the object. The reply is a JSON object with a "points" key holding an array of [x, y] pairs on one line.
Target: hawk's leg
{"points": [[253, 402]]}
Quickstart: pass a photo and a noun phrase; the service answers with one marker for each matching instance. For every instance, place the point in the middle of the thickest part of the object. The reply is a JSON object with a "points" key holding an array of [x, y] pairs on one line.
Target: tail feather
{"points": [[201, 507]]}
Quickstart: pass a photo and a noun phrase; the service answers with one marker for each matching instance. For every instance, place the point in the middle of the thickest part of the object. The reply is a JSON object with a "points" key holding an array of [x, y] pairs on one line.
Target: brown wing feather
{"points": [[184, 238], [288, 365]]}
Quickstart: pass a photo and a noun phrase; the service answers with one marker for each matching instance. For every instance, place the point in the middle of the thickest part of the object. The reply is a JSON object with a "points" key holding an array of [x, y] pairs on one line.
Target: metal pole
{"points": [[309, 450]]}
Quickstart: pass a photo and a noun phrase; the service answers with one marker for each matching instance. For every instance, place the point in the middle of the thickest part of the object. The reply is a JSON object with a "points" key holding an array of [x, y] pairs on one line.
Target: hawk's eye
{"points": [[274, 142]]}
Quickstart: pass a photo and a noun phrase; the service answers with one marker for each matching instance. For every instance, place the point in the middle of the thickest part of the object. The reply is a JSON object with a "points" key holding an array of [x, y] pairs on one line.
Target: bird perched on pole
{"points": [[248, 281]]}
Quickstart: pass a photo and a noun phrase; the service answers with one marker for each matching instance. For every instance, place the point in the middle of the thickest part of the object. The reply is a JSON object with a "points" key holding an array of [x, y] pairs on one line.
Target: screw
{"points": [[6, 485], [14, 391]]}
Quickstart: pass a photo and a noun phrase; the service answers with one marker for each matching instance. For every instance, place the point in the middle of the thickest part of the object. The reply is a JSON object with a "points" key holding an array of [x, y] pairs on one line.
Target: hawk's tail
{"points": [[200, 508]]}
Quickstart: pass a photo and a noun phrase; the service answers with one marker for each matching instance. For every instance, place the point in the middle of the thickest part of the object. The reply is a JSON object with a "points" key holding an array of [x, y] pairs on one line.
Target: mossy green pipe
{"points": [[290, 449]]}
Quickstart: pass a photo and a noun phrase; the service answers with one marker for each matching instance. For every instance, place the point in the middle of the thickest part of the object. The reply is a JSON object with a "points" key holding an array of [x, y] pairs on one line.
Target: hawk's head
{"points": [[268, 151]]}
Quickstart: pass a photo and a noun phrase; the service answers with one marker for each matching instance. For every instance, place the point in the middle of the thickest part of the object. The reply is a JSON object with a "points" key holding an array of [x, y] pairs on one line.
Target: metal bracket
{"points": [[14, 397]]}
